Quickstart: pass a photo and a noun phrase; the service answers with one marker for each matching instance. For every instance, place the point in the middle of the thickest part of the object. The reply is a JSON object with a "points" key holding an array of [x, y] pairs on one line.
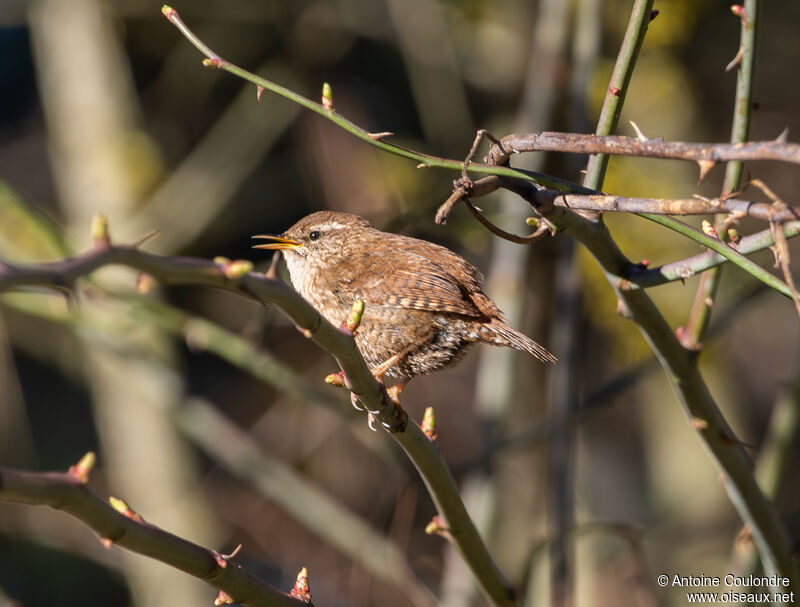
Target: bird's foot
{"points": [[390, 397]]}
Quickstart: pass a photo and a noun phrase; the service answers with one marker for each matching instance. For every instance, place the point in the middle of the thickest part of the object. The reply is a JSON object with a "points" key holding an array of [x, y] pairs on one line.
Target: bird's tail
{"points": [[507, 336]]}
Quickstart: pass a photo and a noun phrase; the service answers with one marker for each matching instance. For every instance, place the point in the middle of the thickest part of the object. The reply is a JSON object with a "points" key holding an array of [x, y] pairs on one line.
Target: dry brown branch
{"points": [[665, 206], [781, 247], [549, 141]]}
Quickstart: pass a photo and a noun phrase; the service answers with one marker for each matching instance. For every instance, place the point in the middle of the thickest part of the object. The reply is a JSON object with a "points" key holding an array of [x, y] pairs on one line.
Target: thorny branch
{"points": [[548, 141]]}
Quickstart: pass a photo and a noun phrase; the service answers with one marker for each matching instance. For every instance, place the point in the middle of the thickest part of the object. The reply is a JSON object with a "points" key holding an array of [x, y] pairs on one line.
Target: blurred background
{"points": [[208, 411]]}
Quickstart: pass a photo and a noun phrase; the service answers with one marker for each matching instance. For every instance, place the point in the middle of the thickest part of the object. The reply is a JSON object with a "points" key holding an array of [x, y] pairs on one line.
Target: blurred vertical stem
{"points": [[95, 145], [773, 457], [499, 400], [740, 129], [564, 388], [565, 338], [618, 87]]}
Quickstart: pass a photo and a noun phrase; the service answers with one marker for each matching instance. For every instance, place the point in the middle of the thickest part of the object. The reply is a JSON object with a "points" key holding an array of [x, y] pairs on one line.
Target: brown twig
{"points": [[663, 206], [549, 141], [781, 247]]}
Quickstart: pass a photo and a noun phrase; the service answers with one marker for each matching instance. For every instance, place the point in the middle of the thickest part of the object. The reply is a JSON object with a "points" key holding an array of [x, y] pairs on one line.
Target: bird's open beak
{"points": [[279, 242]]}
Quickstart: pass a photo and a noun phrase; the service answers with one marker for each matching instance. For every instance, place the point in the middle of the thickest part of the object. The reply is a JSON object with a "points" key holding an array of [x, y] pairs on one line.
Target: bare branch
{"points": [[185, 270], [69, 493], [550, 141], [665, 206]]}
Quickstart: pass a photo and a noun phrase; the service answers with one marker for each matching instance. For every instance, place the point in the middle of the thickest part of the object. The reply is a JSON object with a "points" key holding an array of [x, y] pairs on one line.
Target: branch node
{"points": [[301, 589], [82, 469], [428, 425], [223, 598], [123, 508], [327, 97], [144, 283], [337, 380], [215, 61], [100, 233], [439, 527], [351, 323]]}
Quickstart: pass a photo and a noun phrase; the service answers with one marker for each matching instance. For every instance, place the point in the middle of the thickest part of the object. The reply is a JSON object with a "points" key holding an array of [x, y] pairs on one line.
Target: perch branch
{"points": [[186, 270], [700, 314]]}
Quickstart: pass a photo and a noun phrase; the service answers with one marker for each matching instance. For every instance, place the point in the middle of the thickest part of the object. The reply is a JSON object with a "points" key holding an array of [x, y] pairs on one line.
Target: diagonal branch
{"points": [[701, 410], [69, 493], [186, 270]]}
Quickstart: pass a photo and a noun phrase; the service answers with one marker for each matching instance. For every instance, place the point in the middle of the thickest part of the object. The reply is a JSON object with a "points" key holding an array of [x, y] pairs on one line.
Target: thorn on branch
{"points": [[259, 91], [383, 135], [614, 91], [223, 598], [736, 61], [705, 169], [639, 134], [145, 238], [234, 553], [653, 14], [781, 247], [272, 271]]}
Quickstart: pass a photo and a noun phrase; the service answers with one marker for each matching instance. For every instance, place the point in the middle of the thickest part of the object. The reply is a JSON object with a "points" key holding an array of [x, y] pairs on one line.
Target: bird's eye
{"points": [[314, 234]]}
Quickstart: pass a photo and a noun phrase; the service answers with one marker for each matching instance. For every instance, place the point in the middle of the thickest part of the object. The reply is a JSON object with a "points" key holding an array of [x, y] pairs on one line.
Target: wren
{"points": [[424, 305]]}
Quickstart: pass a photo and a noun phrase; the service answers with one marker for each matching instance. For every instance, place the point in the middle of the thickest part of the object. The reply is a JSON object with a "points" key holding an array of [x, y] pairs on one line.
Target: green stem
{"points": [[374, 139], [700, 315], [723, 249], [618, 87]]}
